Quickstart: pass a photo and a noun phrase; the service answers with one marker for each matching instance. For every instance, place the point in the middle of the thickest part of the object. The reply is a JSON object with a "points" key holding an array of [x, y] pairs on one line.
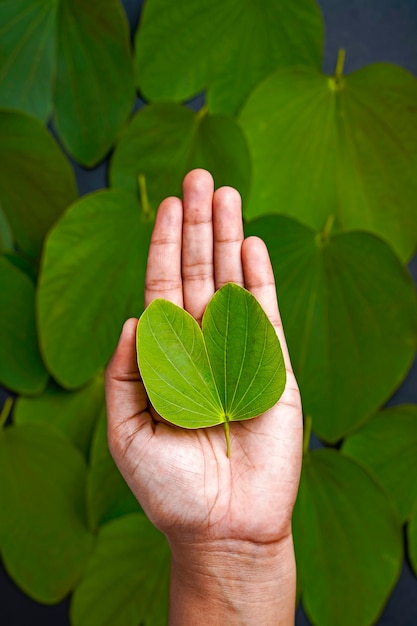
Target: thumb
{"points": [[126, 399]]}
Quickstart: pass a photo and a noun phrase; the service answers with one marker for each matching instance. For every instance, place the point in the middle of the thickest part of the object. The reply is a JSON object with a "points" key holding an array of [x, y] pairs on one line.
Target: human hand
{"points": [[209, 507]]}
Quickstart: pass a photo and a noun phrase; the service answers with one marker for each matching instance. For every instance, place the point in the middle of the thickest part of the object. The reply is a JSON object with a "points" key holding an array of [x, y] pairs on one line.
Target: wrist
{"points": [[237, 582]]}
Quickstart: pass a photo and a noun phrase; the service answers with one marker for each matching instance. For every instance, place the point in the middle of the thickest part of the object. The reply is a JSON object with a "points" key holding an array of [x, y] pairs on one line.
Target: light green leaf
{"points": [[349, 311], [225, 45], [74, 413], [21, 366], [348, 541], [347, 148], [94, 81], [72, 58], [44, 539], [36, 181], [387, 446], [91, 280], [231, 369], [165, 141], [126, 581], [27, 53], [108, 495]]}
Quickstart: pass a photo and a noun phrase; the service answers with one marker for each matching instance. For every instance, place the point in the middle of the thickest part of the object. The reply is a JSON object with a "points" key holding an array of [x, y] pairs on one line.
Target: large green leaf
{"points": [[91, 280], [345, 147], [350, 316], [36, 180], [164, 141], [348, 541], [387, 446], [94, 83], [75, 54], [108, 495], [27, 52], [230, 369], [126, 582], [21, 366], [74, 413], [44, 539], [226, 45]]}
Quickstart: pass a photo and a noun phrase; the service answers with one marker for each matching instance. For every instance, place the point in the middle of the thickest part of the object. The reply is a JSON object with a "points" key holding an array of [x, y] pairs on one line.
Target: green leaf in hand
{"points": [[229, 370]]}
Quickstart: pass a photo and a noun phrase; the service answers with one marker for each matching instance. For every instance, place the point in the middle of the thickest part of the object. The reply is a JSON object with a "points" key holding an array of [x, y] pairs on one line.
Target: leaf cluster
{"points": [[326, 169]]}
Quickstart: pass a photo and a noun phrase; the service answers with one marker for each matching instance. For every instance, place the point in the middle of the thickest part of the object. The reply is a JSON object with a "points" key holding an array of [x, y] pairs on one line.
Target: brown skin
{"points": [[227, 521]]}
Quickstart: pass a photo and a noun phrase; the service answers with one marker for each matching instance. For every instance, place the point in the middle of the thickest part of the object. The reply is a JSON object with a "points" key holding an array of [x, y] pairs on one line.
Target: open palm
{"points": [[183, 479]]}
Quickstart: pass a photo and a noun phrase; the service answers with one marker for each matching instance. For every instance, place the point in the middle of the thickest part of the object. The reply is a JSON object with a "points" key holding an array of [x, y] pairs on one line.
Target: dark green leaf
{"points": [[74, 413], [165, 141], [44, 538], [345, 149], [348, 541], [231, 369], [94, 82], [387, 446], [91, 280], [126, 582], [108, 495], [36, 180], [76, 54], [350, 316], [183, 47], [27, 54], [21, 366]]}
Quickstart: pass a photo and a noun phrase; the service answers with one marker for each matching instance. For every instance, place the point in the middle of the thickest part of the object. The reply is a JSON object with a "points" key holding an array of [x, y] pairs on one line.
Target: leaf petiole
{"points": [[6, 410], [227, 433], [144, 200]]}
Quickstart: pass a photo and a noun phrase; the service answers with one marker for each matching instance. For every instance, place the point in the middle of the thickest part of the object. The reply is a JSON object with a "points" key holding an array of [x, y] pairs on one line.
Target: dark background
{"points": [[371, 31]]}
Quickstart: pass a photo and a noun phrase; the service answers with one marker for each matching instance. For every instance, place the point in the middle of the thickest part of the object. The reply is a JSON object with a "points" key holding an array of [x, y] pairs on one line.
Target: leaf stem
{"points": [[328, 227], [5, 411], [227, 433], [144, 200], [202, 112], [308, 422], [340, 65], [323, 236]]}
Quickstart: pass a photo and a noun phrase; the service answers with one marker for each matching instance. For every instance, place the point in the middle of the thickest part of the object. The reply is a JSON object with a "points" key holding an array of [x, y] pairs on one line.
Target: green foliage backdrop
{"points": [[326, 169]]}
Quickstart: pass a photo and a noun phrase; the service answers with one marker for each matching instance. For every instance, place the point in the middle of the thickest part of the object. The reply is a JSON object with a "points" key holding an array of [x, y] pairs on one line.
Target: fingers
{"points": [[126, 400], [163, 272], [197, 242], [228, 237], [260, 281]]}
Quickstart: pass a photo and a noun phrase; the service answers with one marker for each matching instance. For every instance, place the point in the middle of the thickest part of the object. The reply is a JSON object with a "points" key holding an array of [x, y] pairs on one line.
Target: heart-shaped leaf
{"points": [[228, 46], [91, 280], [108, 495], [21, 366], [74, 413], [72, 54], [36, 180], [339, 294], [230, 369], [126, 581], [394, 465], [348, 541], [27, 53], [44, 539], [341, 146], [94, 80], [164, 141]]}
